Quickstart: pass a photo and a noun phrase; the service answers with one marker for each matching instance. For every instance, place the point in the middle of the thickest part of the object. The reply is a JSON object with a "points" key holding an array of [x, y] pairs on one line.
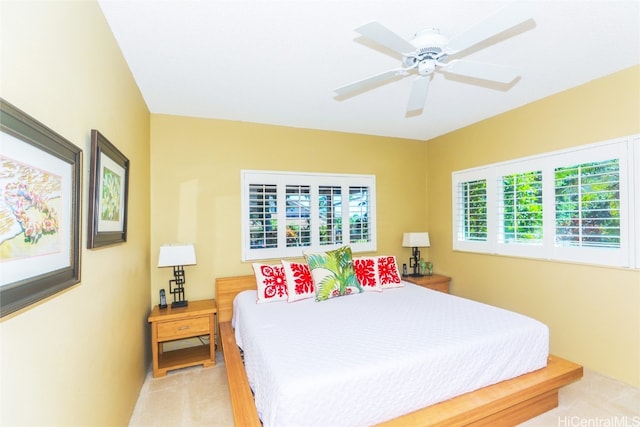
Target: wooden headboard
{"points": [[226, 290]]}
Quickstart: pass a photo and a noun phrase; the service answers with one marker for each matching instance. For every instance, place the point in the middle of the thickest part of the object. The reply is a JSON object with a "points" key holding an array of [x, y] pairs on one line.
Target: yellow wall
{"points": [[79, 358], [195, 194], [593, 312]]}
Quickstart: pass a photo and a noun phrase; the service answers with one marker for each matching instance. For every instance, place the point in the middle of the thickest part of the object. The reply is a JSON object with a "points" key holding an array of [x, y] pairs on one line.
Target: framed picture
{"points": [[108, 191], [40, 184]]}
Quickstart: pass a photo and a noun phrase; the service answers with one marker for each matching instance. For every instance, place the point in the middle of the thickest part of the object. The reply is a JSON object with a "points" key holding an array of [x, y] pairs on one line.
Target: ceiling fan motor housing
{"points": [[430, 46], [429, 38]]}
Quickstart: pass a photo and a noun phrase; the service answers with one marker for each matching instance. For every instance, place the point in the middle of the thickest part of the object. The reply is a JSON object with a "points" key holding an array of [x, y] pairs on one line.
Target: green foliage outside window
{"points": [[522, 198], [474, 209], [588, 204]]}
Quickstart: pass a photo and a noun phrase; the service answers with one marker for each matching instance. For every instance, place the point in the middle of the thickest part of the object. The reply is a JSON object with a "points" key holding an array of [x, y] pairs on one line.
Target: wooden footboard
{"points": [[242, 403], [504, 404]]}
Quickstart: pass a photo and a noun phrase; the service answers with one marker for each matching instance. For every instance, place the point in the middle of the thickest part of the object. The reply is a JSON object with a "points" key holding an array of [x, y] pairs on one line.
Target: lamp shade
{"points": [[172, 255], [414, 240]]}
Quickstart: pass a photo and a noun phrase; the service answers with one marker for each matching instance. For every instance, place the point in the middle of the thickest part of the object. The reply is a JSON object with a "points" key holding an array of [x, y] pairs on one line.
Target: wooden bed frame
{"points": [[504, 404]]}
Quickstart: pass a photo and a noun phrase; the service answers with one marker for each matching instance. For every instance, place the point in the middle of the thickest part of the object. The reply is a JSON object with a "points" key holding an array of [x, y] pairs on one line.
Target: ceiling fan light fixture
{"points": [[426, 67]]}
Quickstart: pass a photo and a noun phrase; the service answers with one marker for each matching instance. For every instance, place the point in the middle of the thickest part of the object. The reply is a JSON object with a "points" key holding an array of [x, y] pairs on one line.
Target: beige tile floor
{"points": [[197, 397]]}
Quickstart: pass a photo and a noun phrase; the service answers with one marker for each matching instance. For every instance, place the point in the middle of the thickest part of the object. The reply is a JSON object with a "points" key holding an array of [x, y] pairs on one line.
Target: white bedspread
{"points": [[362, 359]]}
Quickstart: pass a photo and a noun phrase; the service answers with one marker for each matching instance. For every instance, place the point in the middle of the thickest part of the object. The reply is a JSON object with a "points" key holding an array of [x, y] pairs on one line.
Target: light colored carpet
{"points": [[593, 401], [187, 397], [200, 397]]}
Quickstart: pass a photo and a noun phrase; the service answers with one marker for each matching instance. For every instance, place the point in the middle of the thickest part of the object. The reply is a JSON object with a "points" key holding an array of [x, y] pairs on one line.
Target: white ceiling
{"points": [[278, 61]]}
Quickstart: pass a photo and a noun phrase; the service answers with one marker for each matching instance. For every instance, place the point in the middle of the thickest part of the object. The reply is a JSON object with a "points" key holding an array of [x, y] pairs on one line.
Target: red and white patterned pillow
{"points": [[388, 272], [271, 281], [366, 269], [299, 281]]}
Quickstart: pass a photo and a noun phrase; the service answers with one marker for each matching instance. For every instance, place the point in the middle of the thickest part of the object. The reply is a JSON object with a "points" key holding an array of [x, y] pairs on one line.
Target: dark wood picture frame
{"points": [[108, 193], [27, 145]]}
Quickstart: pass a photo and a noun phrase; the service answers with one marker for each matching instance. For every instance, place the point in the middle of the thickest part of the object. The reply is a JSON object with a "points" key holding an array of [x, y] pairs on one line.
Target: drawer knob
{"points": [[182, 328]]}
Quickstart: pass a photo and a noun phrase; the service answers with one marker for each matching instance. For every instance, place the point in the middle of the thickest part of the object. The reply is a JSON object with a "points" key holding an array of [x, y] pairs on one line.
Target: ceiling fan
{"points": [[427, 53]]}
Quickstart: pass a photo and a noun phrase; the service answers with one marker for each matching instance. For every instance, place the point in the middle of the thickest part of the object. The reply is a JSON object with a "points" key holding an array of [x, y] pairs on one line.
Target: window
{"points": [[521, 208], [358, 214], [263, 229], [298, 217], [286, 213], [473, 207], [330, 210], [588, 204], [573, 205]]}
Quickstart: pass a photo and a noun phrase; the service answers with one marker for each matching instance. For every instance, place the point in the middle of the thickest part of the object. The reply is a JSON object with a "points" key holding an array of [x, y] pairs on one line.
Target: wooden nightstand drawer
{"points": [[183, 328]]}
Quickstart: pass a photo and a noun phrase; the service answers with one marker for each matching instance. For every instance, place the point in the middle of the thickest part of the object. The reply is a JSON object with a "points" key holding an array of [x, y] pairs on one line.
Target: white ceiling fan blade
{"points": [[418, 95], [368, 82], [382, 35], [481, 70], [502, 20]]}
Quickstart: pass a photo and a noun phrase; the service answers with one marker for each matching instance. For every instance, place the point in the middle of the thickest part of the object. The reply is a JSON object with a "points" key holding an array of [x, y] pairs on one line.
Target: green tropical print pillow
{"points": [[333, 273]]}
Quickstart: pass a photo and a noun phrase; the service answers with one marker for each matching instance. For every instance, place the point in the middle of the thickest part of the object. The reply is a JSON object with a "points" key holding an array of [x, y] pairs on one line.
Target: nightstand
{"points": [[171, 324], [437, 282]]}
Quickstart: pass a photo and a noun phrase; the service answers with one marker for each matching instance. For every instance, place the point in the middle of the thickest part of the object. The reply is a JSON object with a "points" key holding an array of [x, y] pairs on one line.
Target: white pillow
{"points": [[299, 281], [333, 274], [366, 269], [271, 281], [389, 273]]}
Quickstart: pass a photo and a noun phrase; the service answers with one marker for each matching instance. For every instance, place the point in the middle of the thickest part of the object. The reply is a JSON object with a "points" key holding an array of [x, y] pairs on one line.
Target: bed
{"points": [[507, 402]]}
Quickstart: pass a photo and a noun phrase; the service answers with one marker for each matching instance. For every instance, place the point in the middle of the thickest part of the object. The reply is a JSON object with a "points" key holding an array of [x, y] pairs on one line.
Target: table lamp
{"points": [[177, 256], [415, 240]]}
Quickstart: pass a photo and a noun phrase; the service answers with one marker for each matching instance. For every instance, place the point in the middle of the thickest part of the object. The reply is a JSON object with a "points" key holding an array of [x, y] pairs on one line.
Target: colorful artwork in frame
{"points": [[30, 211], [39, 211], [108, 191]]}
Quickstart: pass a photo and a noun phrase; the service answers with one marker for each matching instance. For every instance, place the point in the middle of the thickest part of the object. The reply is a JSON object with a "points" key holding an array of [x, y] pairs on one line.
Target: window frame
{"points": [[282, 179], [486, 246], [515, 248], [627, 255]]}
